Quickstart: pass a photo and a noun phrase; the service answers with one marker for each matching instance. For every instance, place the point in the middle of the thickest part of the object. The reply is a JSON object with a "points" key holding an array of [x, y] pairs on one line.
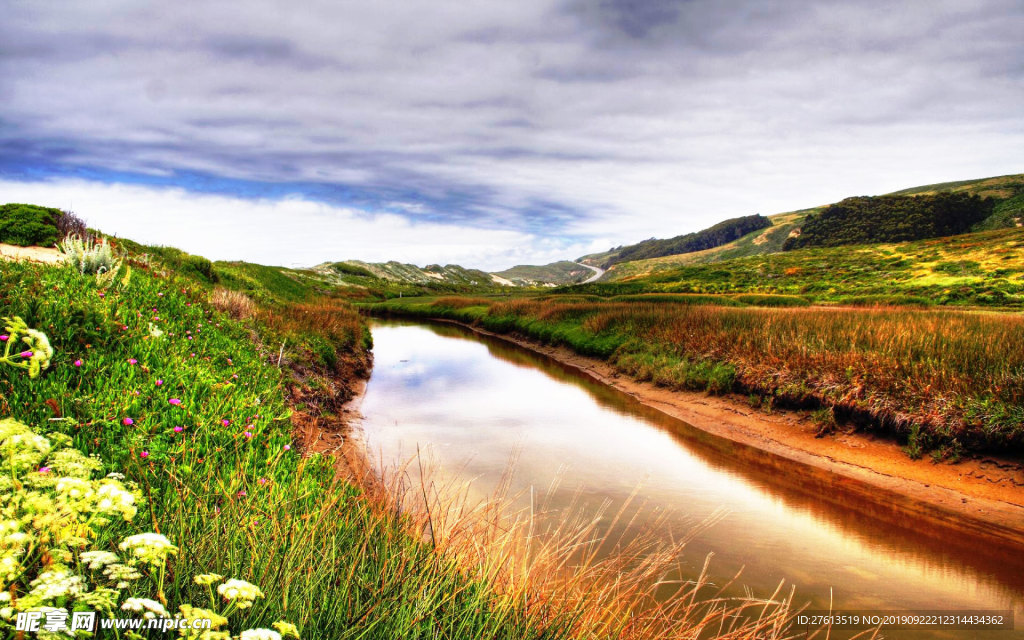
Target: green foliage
{"points": [[88, 256], [865, 220], [26, 225], [715, 236]]}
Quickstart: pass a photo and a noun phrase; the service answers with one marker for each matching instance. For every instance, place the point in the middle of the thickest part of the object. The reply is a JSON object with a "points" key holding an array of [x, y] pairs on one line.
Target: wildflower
{"points": [[78, 363], [132, 361], [174, 401], [103, 295], [44, 469], [128, 422], [225, 422], [192, 614], [144, 454], [98, 559], [287, 447], [248, 435], [242, 593], [262, 481], [179, 429], [286, 629], [159, 383], [207, 578], [25, 354], [150, 548], [121, 574], [242, 493], [148, 608], [259, 634], [5, 338]]}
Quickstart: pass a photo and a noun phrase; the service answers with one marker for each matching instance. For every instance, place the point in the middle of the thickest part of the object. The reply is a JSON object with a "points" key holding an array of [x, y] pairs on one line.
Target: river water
{"points": [[476, 403]]}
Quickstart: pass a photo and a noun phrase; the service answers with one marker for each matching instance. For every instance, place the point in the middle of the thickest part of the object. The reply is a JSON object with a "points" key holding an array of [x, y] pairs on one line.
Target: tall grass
{"points": [[950, 374]]}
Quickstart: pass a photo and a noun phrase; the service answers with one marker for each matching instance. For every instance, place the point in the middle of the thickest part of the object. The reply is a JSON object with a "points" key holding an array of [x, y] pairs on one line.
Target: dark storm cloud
{"points": [[614, 119]]}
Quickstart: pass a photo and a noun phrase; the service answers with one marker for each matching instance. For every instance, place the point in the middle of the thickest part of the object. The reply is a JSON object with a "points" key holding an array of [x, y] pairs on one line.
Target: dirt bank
{"points": [[980, 497]]}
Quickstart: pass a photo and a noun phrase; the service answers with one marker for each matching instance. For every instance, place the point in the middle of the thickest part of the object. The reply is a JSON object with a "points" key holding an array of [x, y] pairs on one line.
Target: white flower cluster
{"points": [[149, 548], [240, 593], [51, 507]]}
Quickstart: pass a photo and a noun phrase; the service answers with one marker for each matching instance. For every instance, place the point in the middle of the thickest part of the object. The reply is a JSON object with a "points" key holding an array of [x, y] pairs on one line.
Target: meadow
{"points": [[942, 381], [177, 381]]}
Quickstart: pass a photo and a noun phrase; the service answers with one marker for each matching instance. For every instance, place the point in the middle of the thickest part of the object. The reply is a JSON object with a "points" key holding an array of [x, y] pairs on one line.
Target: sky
{"points": [[491, 133]]}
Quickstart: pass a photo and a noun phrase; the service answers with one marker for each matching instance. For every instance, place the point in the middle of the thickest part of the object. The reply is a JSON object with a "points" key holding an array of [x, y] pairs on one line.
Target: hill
{"points": [[556, 273], [1006, 191], [722, 233]]}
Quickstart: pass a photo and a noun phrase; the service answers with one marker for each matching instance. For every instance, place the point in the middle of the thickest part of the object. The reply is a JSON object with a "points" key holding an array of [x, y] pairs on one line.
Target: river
{"points": [[475, 403]]}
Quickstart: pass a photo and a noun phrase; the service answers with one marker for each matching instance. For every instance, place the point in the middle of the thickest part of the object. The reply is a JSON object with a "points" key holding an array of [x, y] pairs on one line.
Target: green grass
{"points": [[327, 558]]}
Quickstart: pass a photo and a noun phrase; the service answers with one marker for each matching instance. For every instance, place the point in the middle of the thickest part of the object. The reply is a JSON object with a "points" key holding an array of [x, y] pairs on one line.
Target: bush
{"points": [[28, 225], [234, 303], [69, 224], [88, 256]]}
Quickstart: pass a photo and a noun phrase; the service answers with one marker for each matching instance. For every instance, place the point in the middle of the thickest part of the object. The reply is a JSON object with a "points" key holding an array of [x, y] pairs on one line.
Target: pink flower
{"points": [[44, 469], [242, 493], [144, 454], [128, 422], [78, 363], [160, 294], [25, 354], [225, 422], [262, 481], [132, 361], [178, 429], [287, 447], [4, 338], [103, 295], [124, 327], [159, 383], [248, 434], [174, 401]]}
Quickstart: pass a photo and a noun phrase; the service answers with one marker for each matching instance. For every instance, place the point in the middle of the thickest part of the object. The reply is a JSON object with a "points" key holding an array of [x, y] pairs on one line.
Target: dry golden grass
{"points": [[234, 303]]}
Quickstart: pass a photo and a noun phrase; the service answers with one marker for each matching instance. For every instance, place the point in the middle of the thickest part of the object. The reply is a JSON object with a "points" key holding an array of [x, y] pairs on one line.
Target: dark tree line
{"points": [[875, 219], [722, 233]]}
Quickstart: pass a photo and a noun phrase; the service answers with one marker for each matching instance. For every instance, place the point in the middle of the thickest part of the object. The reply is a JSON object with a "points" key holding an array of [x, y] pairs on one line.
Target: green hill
{"points": [[1006, 192]]}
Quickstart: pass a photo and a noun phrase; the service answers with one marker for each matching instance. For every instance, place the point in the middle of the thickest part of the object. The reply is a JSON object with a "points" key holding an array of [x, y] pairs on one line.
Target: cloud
{"points": [[293, 231], [573, 121]]}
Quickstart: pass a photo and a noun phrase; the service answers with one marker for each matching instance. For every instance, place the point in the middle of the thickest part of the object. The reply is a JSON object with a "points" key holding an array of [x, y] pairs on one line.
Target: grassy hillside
{"points": [[715, 236], [984, 268], [1008, 212], [152, 381], [555, 273]]}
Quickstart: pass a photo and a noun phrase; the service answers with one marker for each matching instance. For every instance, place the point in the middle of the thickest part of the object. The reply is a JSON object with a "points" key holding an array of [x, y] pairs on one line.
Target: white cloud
{"points": [[288, 232]]}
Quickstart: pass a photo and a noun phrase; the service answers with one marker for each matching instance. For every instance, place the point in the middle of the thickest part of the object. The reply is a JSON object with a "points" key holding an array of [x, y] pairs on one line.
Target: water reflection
{"points": [[478, 402]]}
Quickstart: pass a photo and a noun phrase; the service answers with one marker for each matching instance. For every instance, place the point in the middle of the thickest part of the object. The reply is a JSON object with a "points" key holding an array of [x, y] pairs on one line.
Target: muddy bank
{"points": [[980, 498]]}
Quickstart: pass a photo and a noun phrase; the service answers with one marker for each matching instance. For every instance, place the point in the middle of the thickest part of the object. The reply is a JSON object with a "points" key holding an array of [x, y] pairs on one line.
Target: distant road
{"points": [[597, 273]]}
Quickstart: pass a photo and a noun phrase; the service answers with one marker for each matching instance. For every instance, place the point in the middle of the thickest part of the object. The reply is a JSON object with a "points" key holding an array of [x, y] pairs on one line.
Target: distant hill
{"points": [[556, 273], [357, 272], [1008, 212], [722, 233]]}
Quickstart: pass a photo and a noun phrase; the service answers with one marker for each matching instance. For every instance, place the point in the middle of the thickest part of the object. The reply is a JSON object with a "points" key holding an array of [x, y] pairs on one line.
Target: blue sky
{"points": [[491, 133]]}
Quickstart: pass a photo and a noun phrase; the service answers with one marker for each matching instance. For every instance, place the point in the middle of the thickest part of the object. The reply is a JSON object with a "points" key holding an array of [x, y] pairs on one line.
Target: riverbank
{"points": [[979, 497]]}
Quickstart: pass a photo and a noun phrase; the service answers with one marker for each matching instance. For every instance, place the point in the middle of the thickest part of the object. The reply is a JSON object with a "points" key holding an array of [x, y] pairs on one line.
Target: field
{"points": [[941, 381]]}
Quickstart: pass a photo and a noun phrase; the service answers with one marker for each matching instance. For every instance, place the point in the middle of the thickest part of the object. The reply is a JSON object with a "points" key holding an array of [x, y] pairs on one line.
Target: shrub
{"points": [[234, 303], [26, 225], [89, 256], [69, 224]]}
